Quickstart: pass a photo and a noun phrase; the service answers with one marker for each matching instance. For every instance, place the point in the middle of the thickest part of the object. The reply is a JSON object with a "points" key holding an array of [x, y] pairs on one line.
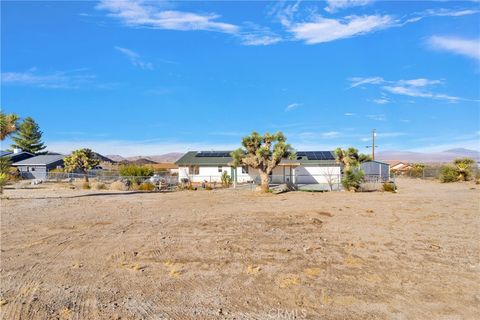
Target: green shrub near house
{"points": [[352, 179], [136, 174], [448, 173]]}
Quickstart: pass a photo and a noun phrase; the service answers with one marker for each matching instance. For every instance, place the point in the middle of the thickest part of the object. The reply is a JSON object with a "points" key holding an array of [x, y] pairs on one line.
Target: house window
{"points": [[194, 169], [32, 169], [244, 170], [219, 168]]}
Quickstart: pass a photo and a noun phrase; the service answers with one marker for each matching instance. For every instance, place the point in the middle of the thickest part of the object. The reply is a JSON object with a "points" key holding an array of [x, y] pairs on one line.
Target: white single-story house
{"points": [[309, 167]]}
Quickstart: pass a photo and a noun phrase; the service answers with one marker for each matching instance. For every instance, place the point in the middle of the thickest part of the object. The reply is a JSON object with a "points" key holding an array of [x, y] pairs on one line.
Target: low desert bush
{"points": [[118, 185], [448, 173], [416, 171], [3, 181], [146, 186], [226, 179], [135, 173], [389, 187], [352, 179], [464, 168], [134, 186], [86, 185], [99, 186]]}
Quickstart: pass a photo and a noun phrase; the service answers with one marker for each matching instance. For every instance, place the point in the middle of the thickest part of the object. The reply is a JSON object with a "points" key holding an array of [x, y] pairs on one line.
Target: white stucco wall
{"points": [[317, 174], [280, 174]]}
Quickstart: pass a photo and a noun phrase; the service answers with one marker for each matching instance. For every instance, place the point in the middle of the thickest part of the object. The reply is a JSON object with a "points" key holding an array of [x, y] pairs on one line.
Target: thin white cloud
{"points": [[421, 82], [377, 117], [57, 80], [135, 59], [154, 15], [357, 81], [349, 114], [415, 92], [139, 13], [449, 13], [466, 47], [254, 39], [322, 30], [418, 88], [331, 134], [292, 106], [335, 5], [381, 101]]}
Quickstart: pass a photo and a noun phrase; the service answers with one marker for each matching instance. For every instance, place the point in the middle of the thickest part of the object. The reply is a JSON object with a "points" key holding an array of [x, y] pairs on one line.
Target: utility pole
{"points": [[373, 144]]}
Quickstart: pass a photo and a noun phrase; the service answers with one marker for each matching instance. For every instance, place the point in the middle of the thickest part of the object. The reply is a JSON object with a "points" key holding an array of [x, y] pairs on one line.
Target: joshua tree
{"points": [[263, 153], [83, 160], [464, 168], [28, 137], [349, 157], [8, 124]]}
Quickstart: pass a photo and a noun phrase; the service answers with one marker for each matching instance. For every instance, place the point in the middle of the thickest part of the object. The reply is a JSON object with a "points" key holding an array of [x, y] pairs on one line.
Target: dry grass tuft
{"points": [[289, 281], [253, 270], [313, 272], [118, 185]]}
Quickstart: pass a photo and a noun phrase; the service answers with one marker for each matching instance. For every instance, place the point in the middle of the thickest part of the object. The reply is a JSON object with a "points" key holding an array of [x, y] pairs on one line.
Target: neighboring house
{"points": [[399, 166], [376, 170], [16, 155], [39, 166], [311, 167]]}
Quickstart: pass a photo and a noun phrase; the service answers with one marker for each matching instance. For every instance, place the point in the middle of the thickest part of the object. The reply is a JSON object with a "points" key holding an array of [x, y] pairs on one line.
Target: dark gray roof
{"points": [[191, 158], [39, 160], [5, 153]]}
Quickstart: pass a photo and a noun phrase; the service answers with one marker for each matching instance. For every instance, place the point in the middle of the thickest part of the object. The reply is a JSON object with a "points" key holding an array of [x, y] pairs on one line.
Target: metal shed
{"points": [[376, 170], [39, 166]]}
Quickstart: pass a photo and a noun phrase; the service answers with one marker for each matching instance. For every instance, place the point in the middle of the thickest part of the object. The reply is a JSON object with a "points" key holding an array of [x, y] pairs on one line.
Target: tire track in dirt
{"points": [[20, 307]]}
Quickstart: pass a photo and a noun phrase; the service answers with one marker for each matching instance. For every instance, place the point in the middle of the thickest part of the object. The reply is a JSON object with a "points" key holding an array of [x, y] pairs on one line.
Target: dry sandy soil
{"points": [[233, 254]]}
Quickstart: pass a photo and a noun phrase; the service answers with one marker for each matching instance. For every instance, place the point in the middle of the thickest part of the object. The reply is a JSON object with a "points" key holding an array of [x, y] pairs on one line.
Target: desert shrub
{"points": [[134, 186], [226, 179], [118, 185], [416, 170], [99, 186], [448, 173], [57, 170], [146, 186], [389, 187], [5, 164], [352, 179], [85, 185], [3, 181], [464, 168], [135, 173]]}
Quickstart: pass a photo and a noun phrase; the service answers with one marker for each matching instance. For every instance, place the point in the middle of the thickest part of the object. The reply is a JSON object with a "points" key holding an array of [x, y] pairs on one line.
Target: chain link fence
{"points": [[165, 180]]}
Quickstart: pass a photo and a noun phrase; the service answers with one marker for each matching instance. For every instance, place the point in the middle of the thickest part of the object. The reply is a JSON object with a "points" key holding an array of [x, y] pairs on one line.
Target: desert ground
{"points": [[238, 254]]}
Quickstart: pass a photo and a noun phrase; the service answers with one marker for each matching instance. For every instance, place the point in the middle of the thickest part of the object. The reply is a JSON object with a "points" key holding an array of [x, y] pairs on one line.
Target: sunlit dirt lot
{"points": [[237, 254]]}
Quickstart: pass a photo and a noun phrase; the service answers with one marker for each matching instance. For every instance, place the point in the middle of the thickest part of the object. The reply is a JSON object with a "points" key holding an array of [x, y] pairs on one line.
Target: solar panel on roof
{"points": [[212, 154]]}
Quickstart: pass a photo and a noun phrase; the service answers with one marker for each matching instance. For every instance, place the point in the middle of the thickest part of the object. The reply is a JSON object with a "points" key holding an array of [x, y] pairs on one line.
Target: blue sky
{"points": [[144, 78]]}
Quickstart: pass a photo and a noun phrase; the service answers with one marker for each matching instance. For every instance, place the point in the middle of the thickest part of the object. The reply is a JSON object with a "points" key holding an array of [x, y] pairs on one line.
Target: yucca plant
{"points": [[464, 168]]}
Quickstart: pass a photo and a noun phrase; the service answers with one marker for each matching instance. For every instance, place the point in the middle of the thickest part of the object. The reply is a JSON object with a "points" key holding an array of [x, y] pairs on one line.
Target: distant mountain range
{"points": [[409, 156], [444, 156], [163, 158]]}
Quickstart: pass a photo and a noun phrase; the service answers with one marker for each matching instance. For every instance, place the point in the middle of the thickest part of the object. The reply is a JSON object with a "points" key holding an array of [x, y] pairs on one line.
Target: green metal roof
{"points": [[190, 159]]}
